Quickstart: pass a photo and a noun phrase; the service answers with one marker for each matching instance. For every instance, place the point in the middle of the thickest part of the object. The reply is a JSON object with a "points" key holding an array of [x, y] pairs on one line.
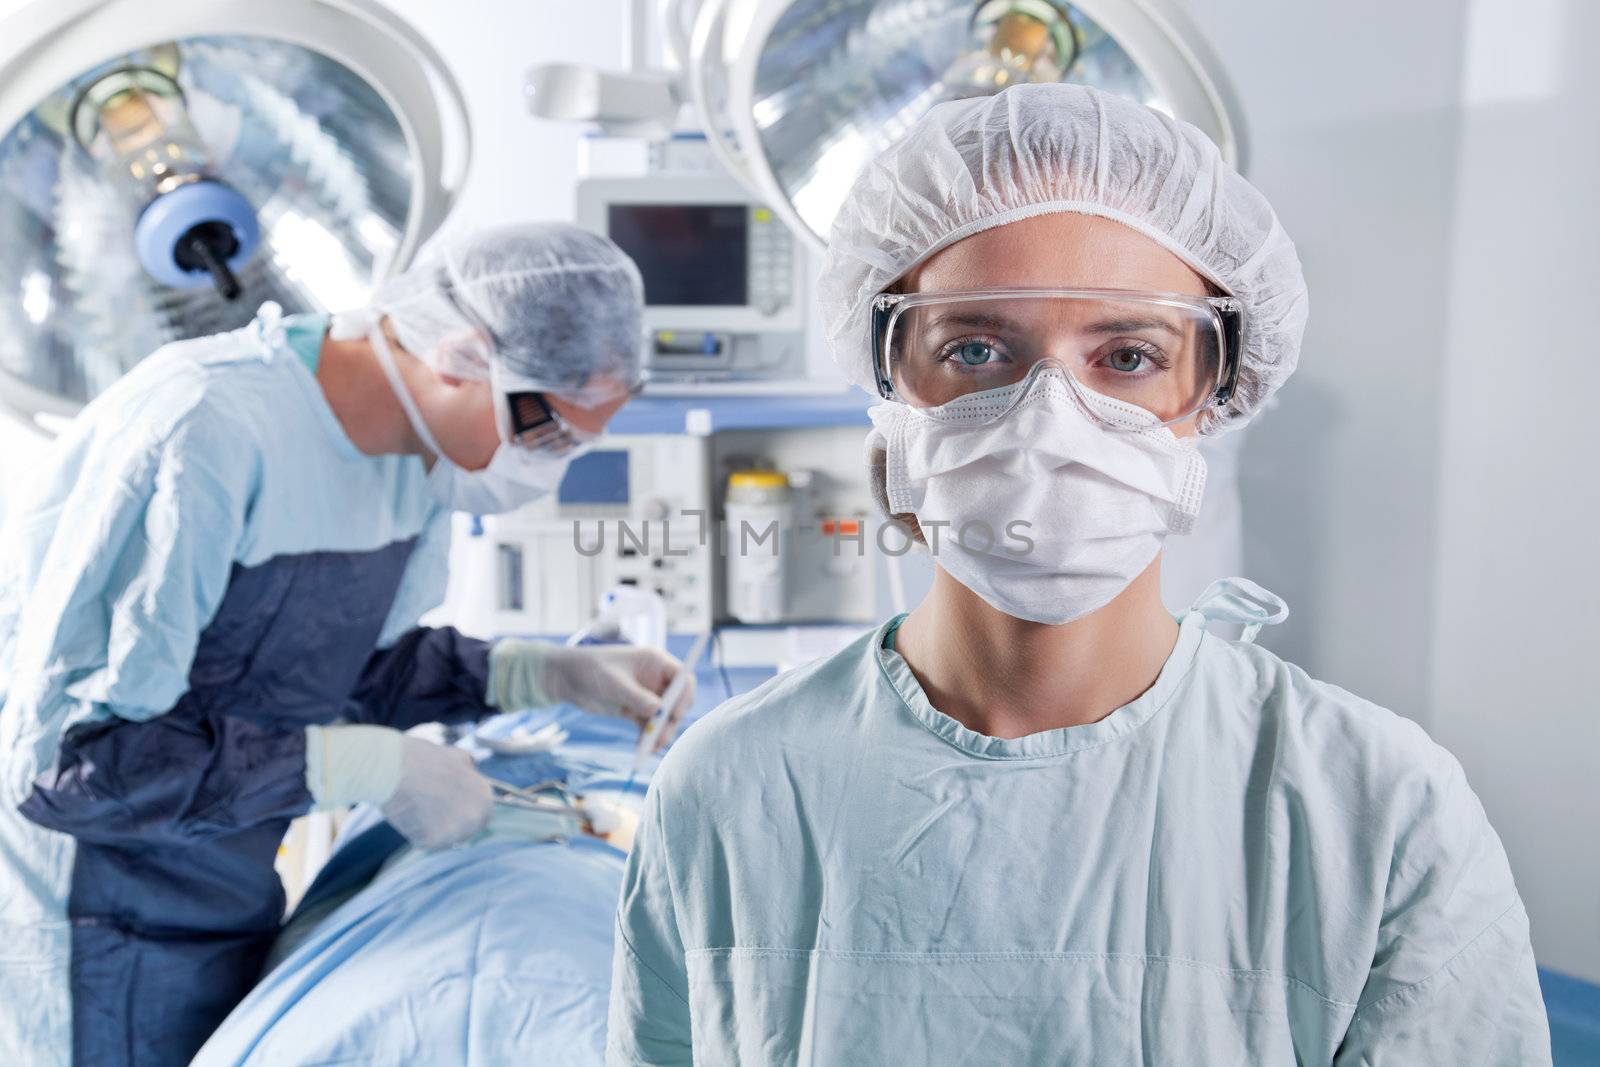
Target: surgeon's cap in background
{"points": [[544, 307]]}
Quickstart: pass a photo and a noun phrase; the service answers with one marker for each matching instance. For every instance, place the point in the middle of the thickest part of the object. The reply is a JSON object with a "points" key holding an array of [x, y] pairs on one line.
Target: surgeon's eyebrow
{"points": [[974, 320], [1133, 325], [988, 320]]}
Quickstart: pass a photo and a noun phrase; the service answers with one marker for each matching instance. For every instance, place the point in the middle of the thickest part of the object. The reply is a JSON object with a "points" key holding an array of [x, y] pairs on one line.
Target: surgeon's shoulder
{"points": [[805, 702], [1345, 757], [181, 387], [1321, 721], [171, 420], [1357, 804]]}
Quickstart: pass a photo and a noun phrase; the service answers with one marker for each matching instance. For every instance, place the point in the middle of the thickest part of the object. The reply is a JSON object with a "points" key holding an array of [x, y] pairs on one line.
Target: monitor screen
{"points": [[691, 255]]}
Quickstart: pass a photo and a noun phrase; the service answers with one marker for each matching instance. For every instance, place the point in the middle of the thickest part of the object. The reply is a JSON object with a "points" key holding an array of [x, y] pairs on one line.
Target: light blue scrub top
{"points": [[212, 454], [253, 464], [1242, 866]]}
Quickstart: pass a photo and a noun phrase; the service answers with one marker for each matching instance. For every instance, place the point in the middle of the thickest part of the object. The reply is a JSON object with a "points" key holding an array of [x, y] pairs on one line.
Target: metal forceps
{"points": [[550, 797]]}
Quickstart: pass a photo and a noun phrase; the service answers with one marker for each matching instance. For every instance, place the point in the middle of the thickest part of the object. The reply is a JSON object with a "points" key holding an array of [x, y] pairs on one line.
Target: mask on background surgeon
{"points": [[1044, 512], [514, 476]]}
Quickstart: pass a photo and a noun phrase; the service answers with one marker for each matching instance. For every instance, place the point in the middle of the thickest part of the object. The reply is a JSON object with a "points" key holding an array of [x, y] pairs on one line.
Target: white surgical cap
{"points": [[971, 165], [543, 307]]}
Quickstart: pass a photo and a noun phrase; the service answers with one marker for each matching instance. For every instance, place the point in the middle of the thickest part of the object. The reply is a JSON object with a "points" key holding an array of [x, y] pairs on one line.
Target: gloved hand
{"points": [[442, 799], [622, 680], [432, 794]]}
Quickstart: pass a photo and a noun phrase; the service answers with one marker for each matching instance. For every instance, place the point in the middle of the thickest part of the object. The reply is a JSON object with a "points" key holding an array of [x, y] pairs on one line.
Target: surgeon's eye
{"points": [[1133, 357], [972, 352]]}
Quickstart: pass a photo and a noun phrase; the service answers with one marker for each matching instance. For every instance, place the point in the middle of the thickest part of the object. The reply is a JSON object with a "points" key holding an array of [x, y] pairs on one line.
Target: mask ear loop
{"points": [[380, 346], [351, 325], [464, 356]]}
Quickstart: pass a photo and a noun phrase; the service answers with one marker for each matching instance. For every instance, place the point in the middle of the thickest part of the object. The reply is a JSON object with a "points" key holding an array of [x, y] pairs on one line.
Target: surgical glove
{"points": [[622, 680], [432, 794], [442, 799]]}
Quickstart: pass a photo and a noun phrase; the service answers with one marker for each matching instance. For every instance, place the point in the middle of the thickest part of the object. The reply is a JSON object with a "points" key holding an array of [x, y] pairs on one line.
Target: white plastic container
{"points": [[757, 528]]}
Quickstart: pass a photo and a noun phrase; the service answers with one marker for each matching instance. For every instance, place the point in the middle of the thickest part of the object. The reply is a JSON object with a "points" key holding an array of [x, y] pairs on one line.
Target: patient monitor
{"points": [[723, 283]]}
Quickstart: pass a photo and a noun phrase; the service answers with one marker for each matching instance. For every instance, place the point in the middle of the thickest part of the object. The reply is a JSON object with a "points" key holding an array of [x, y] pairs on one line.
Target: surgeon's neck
{"points": [[362, 400], [1004, 677]]}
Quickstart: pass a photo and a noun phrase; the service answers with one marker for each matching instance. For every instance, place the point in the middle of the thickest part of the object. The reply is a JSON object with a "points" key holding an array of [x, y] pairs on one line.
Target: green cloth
{"points": [[303, 334], [893, 628]]}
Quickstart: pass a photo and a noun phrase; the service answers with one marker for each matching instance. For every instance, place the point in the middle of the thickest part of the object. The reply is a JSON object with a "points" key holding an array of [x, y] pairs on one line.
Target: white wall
{"points": [[1517, 577], [1423, 496], [523, 167], [1350, 109]]}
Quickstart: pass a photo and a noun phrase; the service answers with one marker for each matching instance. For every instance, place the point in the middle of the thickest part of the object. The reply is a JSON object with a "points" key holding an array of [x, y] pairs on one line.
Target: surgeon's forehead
{"points": [[1057, 251]]}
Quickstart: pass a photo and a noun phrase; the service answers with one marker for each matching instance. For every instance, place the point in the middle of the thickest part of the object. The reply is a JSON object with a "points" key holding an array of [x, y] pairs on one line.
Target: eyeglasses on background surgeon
{"points": [[1038, 819], [209, 604]]}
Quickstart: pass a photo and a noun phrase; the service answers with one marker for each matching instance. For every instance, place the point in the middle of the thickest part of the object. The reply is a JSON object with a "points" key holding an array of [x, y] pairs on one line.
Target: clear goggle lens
{"points": [[527, 420], [1167, 355]]}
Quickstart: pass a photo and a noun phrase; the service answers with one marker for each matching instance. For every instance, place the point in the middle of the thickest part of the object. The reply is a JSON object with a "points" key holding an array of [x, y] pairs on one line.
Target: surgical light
{"points": [[192, 229], [1014, 41], [166, 167], [796, 95]]}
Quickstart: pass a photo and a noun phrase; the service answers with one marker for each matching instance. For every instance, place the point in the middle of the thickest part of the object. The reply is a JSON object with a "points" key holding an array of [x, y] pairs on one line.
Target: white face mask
{"points": [[1043, 512], [514, 476]]}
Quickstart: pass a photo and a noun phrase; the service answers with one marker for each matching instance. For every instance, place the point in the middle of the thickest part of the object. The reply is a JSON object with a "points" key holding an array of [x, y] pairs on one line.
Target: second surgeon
{"points": [[209, 622]]}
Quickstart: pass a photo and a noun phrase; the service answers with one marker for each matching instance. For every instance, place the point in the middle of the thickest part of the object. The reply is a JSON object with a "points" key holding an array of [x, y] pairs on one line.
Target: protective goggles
{"points": [[1170, 355], [527, 420]]}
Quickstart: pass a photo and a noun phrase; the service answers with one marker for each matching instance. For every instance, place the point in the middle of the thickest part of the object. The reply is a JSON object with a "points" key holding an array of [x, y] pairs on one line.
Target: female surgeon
{"points": [[208, 622], [1037, 820]]}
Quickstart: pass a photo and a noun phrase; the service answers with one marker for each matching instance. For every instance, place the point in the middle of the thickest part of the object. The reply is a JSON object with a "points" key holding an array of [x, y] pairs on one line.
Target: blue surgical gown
{"points": [[204, 565], [1242, 866]]}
